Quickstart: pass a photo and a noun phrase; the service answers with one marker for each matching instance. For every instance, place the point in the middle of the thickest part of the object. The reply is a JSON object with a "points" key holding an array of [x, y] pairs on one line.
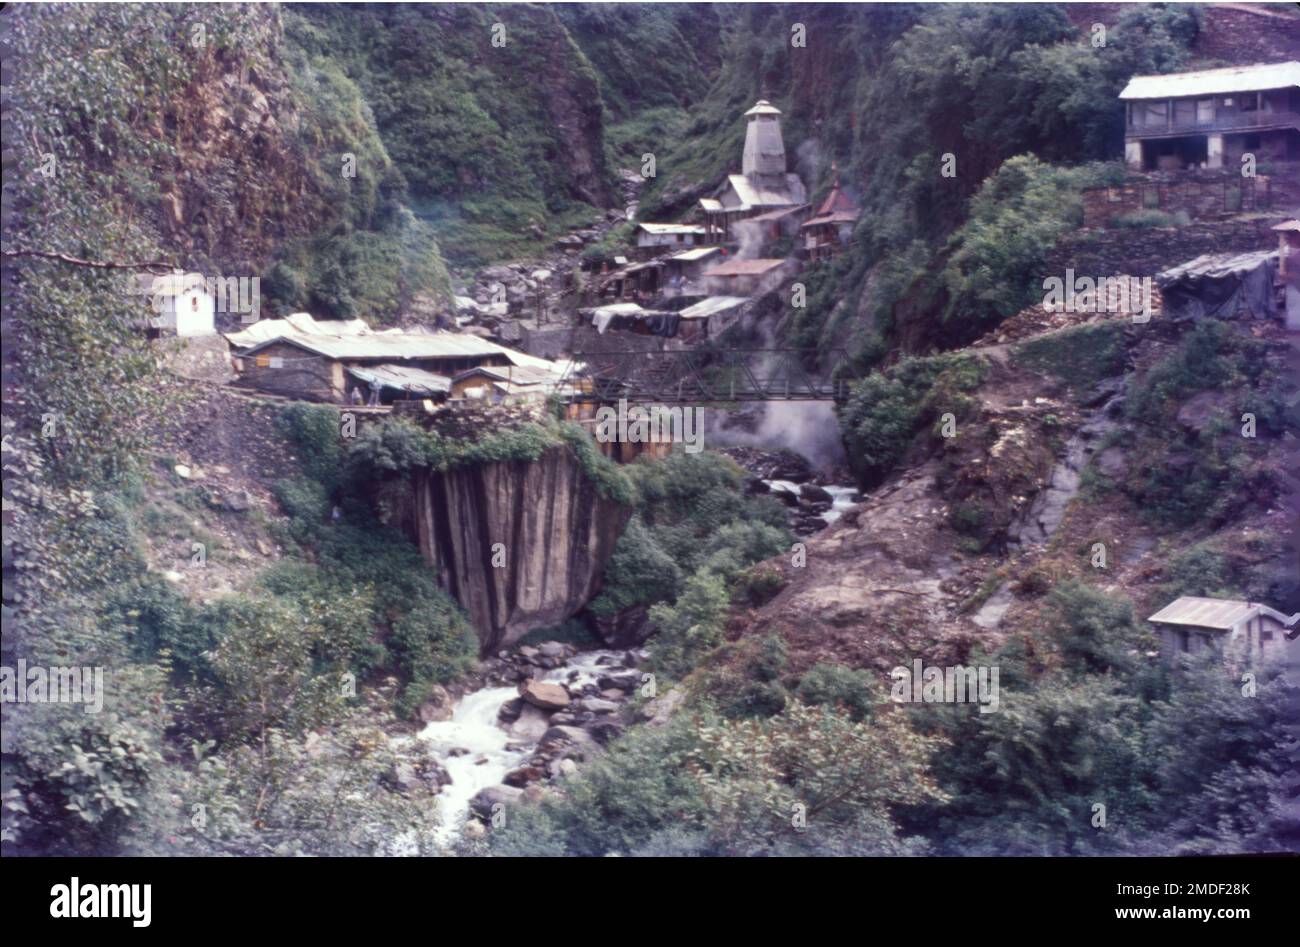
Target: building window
{"points": [[1184, 112], [1249, 103], [1152, 114], [1205, 112]]}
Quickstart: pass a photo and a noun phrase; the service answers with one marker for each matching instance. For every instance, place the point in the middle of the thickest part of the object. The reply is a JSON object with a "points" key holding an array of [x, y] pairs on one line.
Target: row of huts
{"points": [[347, 361]]}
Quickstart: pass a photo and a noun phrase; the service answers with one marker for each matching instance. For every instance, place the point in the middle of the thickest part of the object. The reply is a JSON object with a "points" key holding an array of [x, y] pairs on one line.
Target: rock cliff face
{"points": [[555, 531], [237, 184]]}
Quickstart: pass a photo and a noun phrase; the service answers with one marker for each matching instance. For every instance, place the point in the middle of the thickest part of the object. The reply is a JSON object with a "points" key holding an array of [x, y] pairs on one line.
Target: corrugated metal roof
{"points": [[403, 378], [1205, 612], [298, 323], [671, 228], [1288, 225], [621, 309], [1215, 266], [744, 268], [513, 374], [1257, 78], [397, 346], [775, 215], [689, 256], [712, 305], [752, 194], [402, 346], [710, 204]]}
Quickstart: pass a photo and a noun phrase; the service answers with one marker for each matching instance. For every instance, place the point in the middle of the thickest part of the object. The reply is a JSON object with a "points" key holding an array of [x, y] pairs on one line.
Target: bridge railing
{"points": [[709, 375]]}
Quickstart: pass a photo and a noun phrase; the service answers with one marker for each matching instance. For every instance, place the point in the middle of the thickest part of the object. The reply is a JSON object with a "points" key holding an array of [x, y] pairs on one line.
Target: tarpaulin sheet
{"points": [[1221, 286]]}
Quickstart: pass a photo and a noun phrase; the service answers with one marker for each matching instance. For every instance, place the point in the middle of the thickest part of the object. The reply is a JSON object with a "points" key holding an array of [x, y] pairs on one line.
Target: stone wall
{"points": [[1147, 251], [298, 374], [1201, 194]]}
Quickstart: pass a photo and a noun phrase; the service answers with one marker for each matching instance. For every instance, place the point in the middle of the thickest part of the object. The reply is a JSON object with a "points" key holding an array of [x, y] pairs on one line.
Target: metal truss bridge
{"points": [[707, 375]]}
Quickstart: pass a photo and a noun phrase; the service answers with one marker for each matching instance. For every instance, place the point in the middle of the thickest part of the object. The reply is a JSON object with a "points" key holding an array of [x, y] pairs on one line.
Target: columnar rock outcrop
{"points": [[520, 544]]}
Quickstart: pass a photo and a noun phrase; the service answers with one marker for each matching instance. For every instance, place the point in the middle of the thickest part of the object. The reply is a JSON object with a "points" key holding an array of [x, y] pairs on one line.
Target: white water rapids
{"points": [[842, 497], [492, 751]]}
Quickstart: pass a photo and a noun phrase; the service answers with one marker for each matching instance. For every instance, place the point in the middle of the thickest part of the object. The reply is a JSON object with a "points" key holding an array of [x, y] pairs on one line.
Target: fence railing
{"points": [[1238, 121]]}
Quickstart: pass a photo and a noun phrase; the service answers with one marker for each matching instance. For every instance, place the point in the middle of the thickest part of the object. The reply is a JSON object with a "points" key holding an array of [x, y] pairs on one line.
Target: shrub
{"points": [[758, 586], [757, 777], [852, 690], [75, 782], [888, 409], [1199, 571], [691, 626], [1000, 252], [1080, 356], [619, 803], [315, 430], [154, 618], [748, 682], [432, 644], [639, 572], [306, 503], [1095, 633]]}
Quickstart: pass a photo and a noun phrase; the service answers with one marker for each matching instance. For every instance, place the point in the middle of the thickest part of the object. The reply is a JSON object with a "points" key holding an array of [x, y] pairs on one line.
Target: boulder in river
{"points": [[565, 734], [524, 775], [626, 681], [531, 724], [437, 707], [485, 799], [545, 696], [810, 491], [511, 710]]}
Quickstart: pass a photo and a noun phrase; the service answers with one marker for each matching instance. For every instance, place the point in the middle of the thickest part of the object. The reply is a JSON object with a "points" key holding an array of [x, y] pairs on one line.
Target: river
{"points": [[478, 752]]}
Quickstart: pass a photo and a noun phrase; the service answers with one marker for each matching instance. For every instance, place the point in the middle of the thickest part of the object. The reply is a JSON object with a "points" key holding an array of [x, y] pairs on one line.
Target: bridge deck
{"points": [[706, 375]]}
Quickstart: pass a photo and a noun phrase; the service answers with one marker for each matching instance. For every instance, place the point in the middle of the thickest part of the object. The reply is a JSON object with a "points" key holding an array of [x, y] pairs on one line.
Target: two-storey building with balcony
{"points": [[1209, 119]]}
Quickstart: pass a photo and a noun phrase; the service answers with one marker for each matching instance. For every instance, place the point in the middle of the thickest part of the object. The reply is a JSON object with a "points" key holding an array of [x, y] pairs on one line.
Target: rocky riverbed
{"points": [[532, 716], [813, 497]]}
